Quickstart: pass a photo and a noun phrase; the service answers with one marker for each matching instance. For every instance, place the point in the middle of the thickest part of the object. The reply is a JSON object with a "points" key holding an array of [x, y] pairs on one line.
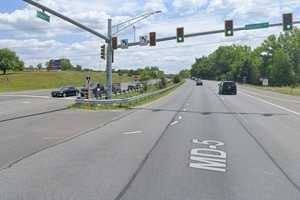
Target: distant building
{"points": [[55, 66]]}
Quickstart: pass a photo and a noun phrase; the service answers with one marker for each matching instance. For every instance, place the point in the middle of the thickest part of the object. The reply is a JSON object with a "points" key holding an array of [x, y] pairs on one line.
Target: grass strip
{"points": [[281, 90]]}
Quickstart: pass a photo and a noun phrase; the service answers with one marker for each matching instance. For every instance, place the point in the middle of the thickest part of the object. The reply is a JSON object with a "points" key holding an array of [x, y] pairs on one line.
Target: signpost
{"points": [[265, 82], [42, 15], [257, 26]]}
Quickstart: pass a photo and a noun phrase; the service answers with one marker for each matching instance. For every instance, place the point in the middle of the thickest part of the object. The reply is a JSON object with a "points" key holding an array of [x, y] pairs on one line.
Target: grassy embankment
{"points": [[282, 90], [47, 80]]}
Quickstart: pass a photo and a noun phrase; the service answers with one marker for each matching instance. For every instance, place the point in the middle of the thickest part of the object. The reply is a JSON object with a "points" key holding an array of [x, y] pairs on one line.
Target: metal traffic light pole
{"points": [[203, 33], [109, 53]]}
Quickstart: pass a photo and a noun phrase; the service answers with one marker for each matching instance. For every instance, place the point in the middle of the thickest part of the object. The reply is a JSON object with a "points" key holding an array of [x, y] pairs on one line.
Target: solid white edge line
{"points": [[272, 104], [275, 98], [132, 132]]}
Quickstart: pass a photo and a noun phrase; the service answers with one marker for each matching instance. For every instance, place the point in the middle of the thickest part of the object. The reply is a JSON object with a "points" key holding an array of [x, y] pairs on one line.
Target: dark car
{"points": [[227, 87], [199, 82], [65, 92]]}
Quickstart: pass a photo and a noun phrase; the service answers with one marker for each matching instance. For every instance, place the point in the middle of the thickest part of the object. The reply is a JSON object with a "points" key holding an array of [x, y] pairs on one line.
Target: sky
{"points": [[37, 41]]}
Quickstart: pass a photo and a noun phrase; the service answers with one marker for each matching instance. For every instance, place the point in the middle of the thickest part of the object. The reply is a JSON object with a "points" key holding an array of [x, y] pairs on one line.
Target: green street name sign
{"points": [[257, 26], [43, 16]]}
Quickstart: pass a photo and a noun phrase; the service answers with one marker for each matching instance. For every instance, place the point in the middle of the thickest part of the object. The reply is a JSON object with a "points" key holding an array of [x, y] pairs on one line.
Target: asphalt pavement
{"points": [[20, 104], [191, 144]]}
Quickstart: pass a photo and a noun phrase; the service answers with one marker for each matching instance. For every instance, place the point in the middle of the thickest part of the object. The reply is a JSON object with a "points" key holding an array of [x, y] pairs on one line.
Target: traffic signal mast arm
{"points": [[44, 8], [205, 33]]}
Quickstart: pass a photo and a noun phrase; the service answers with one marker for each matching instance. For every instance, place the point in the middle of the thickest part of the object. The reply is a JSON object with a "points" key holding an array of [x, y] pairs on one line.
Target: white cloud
{"points": [[189, 4], [154, 5], [38, 41]]}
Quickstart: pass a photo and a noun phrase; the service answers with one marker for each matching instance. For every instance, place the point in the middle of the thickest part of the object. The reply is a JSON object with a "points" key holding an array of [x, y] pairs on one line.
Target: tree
{"points": [[162, 83], [282, 70], [176, 79], [10, 61], [78, 68], [39, 66], [66, 64], [185, 73]]}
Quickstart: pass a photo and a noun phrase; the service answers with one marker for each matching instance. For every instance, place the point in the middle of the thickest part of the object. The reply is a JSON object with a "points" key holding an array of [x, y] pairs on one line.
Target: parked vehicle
{"points": [[131, 87], [227, 87], [199, 82], [119, 87], [65, 92]]}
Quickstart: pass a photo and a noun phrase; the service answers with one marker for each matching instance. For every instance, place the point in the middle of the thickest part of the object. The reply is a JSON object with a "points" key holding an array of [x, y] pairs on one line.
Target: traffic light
{"points": [[287, 22], [152, 37], [103, 52], [180, 35], [228, 28], [115, 43]]}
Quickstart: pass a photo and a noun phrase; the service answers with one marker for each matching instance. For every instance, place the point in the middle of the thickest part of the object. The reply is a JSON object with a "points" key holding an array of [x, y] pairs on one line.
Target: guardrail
{"points": [[125, 100]]}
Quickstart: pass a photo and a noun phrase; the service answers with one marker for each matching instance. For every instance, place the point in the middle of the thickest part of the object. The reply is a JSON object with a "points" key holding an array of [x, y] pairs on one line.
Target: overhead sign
{"points": [[124, 44], [144, 40], [43, 16], [265, 82], [257, 26]]}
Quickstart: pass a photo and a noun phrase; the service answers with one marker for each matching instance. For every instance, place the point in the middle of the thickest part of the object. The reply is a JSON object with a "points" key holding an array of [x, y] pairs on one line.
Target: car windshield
{"points": [[229, 84], [149, 99], [65, 88]]}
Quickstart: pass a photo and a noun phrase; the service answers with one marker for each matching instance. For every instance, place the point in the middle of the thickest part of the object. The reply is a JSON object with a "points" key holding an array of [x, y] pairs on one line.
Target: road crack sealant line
{"points": [[141, 165], [33, 115], [67, 139], [294, 184]]}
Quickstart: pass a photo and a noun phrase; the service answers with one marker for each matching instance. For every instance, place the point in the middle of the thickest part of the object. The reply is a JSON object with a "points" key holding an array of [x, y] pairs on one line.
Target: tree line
{"points": [[277, 59]]}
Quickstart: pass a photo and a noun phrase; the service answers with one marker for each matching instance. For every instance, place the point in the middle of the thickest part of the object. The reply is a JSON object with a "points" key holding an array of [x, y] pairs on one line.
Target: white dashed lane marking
{"points": [[173, 123]]}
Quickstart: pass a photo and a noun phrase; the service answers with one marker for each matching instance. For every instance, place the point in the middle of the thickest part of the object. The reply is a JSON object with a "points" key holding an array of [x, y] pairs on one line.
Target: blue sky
{"points": [[11, 5], [37, 41]]}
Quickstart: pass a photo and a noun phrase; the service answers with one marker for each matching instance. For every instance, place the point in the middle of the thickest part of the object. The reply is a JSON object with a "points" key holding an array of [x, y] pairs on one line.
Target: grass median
{"points": [[142, 101]]}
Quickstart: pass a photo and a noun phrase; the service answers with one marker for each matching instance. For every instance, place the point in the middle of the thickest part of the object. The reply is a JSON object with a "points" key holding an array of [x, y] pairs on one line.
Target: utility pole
{"points": [[109, 60]]}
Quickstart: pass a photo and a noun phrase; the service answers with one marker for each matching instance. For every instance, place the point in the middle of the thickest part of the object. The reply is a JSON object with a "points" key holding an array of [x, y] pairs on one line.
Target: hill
{"points": [[47, 80]]}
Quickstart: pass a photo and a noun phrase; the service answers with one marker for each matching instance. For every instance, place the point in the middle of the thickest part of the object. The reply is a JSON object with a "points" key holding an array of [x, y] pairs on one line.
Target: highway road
{"points": [[192, 144], [20, 104]]}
